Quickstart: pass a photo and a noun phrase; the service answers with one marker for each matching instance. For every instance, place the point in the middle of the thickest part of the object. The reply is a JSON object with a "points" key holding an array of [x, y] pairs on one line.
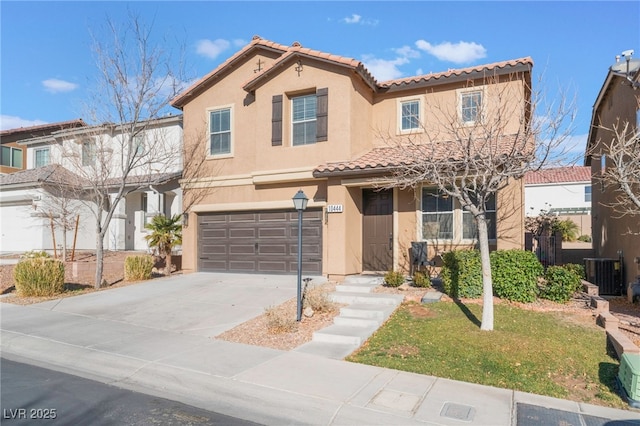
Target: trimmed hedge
{"points": [[462, 273], [515, 275], [39, 276], [137, 268], [576, 269], [422, 280], [561, 283]]}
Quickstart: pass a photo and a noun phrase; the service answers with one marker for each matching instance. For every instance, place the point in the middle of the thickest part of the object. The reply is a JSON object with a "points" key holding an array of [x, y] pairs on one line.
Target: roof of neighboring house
{"points": [[288, 53], [41, 129], [612, 75], [383, 159], [570, 174], [53, 174]]}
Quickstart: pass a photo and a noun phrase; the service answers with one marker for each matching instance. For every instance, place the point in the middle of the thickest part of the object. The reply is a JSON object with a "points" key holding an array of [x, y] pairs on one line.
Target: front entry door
{"points": [[377, 230]]}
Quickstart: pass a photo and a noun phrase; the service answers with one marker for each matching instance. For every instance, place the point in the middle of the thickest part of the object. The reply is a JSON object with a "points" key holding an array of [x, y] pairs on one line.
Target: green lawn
{"points": [[528, 351]]}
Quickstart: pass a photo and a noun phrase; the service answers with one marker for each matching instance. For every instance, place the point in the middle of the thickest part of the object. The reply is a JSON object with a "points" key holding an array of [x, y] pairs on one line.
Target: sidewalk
{"points": [[161, 345]]}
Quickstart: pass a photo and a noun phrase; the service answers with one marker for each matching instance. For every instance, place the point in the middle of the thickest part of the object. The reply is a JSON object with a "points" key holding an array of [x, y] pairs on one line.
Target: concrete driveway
{"points": [[204, 304]]}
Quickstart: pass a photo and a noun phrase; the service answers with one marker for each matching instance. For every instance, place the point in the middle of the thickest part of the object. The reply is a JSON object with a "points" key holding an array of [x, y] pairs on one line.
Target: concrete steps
{"points": [[365, 313]]}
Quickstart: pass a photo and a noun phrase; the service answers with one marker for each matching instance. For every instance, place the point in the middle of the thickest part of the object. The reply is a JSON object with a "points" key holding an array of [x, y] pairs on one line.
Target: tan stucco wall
{"points": [[612, 233], [259, 176]]}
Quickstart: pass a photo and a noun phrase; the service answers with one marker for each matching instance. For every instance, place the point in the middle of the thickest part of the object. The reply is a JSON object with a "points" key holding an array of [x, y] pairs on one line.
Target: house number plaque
{"points": [[334, 208]]}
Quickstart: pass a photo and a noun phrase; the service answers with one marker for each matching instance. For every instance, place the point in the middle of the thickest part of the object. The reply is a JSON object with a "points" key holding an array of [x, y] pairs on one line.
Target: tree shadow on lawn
{"points": [[470, 315]]}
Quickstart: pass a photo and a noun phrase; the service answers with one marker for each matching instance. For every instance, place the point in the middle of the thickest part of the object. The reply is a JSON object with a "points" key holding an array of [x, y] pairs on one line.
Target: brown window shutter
{"points": [[322, 114], [276, 120]]}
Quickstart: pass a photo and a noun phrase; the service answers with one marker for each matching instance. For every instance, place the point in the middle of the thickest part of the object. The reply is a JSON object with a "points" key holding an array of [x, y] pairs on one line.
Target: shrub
{"points": [[279, 321], [317, 299], [138, 268], [420, 279], [34, 254], [576, 269], [561, 284], [393, 279], [515, 274], [39, 276], [585, 238], [462, 273]]}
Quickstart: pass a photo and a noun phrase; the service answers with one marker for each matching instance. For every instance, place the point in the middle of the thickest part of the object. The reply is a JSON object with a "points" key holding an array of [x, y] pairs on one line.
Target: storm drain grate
{"points": [[458, 411], [533, 415]]}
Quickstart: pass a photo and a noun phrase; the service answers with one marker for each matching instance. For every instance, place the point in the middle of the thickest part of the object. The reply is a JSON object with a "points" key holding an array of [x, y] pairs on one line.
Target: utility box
{"points": [[629, 377]]}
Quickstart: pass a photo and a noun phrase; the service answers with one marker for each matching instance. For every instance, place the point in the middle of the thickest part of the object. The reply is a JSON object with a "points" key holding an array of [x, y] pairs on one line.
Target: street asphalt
{"points": [[158, 338]]}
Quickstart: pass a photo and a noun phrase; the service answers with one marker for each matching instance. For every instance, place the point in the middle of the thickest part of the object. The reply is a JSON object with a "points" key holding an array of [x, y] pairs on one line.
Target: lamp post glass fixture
{"points": [[300, 203]]}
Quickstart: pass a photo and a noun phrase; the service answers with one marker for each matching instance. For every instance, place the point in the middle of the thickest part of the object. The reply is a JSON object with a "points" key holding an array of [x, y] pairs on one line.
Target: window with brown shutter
{"points": [[322, 114], [276, 120]]}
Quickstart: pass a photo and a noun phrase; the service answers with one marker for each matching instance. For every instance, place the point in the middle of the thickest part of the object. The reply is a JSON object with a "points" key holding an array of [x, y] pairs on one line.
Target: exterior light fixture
{"points": [[300, 201]]}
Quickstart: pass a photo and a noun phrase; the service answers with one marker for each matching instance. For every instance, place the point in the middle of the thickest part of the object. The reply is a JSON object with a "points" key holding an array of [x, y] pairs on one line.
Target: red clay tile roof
{"points": [[296, 50], [44, 127], [380, 160], [559, 175], [458, 72]]}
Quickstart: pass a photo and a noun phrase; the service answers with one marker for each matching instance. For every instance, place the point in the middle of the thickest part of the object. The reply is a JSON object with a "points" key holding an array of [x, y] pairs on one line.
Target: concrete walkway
{"points": [[156, 337]]}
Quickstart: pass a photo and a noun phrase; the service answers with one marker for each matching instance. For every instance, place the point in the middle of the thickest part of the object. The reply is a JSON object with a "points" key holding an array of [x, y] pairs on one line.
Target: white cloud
{"points": [[388, 69], [211, 49], [459, 53], [53, 85], [12, 122], [353, 19], [238, 42], [357, 19]]}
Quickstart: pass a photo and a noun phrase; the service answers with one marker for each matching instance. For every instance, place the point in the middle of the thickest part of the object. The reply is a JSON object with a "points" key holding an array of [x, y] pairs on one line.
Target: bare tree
{"points": [[136, 80], [622, 172], [472, 157]]}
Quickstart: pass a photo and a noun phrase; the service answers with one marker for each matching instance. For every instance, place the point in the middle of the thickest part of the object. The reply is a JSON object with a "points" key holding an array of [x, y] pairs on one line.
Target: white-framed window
{"points": [[303, 119], [410, 115], [42, 157], [587, 194], [11, 157], [437, 215], [469, 227], [220, 131], [444, 218], [88, 153], [470, 106]]}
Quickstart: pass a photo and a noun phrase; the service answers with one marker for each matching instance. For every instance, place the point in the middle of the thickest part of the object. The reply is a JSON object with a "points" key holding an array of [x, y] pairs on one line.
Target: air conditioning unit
{"points": [[606, 274], [629, 378]]}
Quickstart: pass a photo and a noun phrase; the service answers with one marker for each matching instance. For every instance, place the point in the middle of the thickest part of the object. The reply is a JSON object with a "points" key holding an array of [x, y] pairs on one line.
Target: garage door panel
{"points": [[263, 242]]}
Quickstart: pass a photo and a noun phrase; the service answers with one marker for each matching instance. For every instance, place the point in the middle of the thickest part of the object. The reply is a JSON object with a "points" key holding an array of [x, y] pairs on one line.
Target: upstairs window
{"points": [[471, 105], [587, 194], [12, 157], [220, 132], [42, 157], [410, 115], [138, 146], [437, 215], [304, 110], [88, 153]]}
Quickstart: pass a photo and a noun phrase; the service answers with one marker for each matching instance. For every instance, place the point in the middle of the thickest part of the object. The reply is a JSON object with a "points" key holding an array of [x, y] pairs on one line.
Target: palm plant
{"points": [[166, 233]]}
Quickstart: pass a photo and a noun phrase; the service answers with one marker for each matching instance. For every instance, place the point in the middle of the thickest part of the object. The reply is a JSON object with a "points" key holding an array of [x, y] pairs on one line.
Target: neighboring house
{"points": [[13, 157], [617, 104], [32, 199], [562, 191], [274, 119]]}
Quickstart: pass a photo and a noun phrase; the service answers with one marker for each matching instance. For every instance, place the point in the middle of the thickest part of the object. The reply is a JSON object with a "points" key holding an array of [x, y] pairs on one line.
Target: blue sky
{"points": [[47, 65]]}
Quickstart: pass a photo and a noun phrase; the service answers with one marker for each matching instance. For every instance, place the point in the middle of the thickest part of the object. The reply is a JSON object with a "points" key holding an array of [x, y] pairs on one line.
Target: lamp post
{"points": [[300, 203]]}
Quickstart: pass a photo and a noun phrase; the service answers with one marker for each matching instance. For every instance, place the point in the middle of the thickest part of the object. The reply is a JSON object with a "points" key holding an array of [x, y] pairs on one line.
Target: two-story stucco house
{"points": [[274, 119], [67, 167], [617, 106]]}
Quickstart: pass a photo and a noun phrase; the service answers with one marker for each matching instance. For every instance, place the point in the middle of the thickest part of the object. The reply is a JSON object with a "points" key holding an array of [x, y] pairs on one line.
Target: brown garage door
{"points": [[259, 242]]}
